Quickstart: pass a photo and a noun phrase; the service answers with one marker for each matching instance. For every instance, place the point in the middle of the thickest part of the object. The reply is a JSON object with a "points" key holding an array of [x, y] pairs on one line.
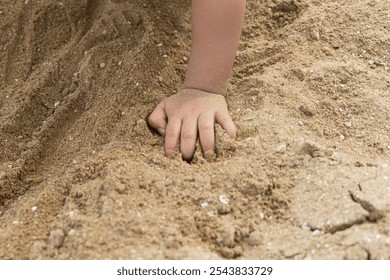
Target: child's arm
{"points": [[216, 29]]}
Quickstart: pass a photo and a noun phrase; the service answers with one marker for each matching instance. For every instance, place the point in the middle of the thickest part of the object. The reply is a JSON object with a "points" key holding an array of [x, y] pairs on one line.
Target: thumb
{"points": [[158, 118]]}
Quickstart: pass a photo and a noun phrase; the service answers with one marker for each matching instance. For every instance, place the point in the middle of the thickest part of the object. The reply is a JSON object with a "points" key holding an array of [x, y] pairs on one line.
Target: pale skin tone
{"points": [[194, 110]]}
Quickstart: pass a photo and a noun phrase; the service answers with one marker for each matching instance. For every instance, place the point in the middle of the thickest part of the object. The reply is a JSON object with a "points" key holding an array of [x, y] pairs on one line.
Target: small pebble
{"points": [[159, 45], [102, 65], [34, 208], [305, 227], [71, 232], [315, 34], [317, 232], [348, 124], [165, 56], [56, 104], [160, 79], [15, 222], [223, 199], [185, 58], [281, 148], [204, 205], [370, 62], [261, 216]]}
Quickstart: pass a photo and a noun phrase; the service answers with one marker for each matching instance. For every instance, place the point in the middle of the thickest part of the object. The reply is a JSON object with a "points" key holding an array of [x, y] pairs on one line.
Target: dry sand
{"points": [[83, 177]]}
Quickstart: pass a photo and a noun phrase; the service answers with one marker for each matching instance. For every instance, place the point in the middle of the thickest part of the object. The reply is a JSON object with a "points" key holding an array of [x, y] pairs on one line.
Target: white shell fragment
{"points": [[204, 204], [223, 199]]}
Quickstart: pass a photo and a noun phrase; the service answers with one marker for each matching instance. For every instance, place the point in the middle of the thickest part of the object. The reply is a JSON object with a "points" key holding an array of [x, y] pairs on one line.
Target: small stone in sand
{"points": [[281, 148], [102, 65], [305, 227], [261, 216], [223, 199], [34, 208], [204, 205], [317, 232]]}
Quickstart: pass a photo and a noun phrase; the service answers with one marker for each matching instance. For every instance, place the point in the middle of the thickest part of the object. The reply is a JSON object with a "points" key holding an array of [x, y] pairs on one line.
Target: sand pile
{"points": [[83, 177]]}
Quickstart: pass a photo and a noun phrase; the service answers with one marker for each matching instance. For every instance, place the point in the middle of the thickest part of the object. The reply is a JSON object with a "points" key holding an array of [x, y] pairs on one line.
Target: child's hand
{"points": [[189, 112]]}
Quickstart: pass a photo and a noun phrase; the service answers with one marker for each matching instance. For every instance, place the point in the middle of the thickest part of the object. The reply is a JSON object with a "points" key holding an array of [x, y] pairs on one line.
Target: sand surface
{"points": [[83, 177]]}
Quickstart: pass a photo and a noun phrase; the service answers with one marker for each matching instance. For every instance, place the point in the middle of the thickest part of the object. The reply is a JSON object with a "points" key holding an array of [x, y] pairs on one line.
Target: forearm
{"points": [[216, 30]]}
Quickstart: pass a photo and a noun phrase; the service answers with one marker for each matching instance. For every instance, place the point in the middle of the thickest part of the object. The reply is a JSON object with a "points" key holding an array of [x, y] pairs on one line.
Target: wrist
{"points": [[192, 89], [220, 89]]}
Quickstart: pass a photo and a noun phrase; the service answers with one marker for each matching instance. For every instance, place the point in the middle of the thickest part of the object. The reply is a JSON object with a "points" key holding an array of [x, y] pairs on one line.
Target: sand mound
{"points": [[83, 177]]}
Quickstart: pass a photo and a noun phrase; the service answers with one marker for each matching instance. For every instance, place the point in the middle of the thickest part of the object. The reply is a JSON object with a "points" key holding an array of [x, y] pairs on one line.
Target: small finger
{"points": [[172, 134], [158, 119], [189, 131], [227, 124], [206, 132]]}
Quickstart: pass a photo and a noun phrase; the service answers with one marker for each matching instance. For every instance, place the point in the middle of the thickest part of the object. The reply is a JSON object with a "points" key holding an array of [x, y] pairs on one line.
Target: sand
{"points": [[82, 176]]}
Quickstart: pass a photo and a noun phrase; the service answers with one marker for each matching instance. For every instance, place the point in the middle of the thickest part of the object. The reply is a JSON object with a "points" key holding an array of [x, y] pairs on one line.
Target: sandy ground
{"points": [[83, 177]]}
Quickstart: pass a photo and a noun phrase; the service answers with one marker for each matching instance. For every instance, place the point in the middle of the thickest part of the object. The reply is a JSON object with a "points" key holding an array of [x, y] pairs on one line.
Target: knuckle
{"points": [[206, 126], [224, 118], [170, 136], [187, 135]]}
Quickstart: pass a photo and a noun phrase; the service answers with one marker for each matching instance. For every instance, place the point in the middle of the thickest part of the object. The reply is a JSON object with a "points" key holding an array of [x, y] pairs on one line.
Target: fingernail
{"points": [[161, 131]]}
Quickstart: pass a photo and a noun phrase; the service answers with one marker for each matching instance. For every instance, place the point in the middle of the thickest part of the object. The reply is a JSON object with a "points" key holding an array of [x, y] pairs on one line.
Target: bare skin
{"points": [[194, 110]]}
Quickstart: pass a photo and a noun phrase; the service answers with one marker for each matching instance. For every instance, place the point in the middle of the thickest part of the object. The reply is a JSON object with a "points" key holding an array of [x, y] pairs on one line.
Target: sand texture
{"points": [[82, 176]]}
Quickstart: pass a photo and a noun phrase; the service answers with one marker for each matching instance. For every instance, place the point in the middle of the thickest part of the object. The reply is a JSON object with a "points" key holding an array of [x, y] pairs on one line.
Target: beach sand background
{"points": [[82, 176]]}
